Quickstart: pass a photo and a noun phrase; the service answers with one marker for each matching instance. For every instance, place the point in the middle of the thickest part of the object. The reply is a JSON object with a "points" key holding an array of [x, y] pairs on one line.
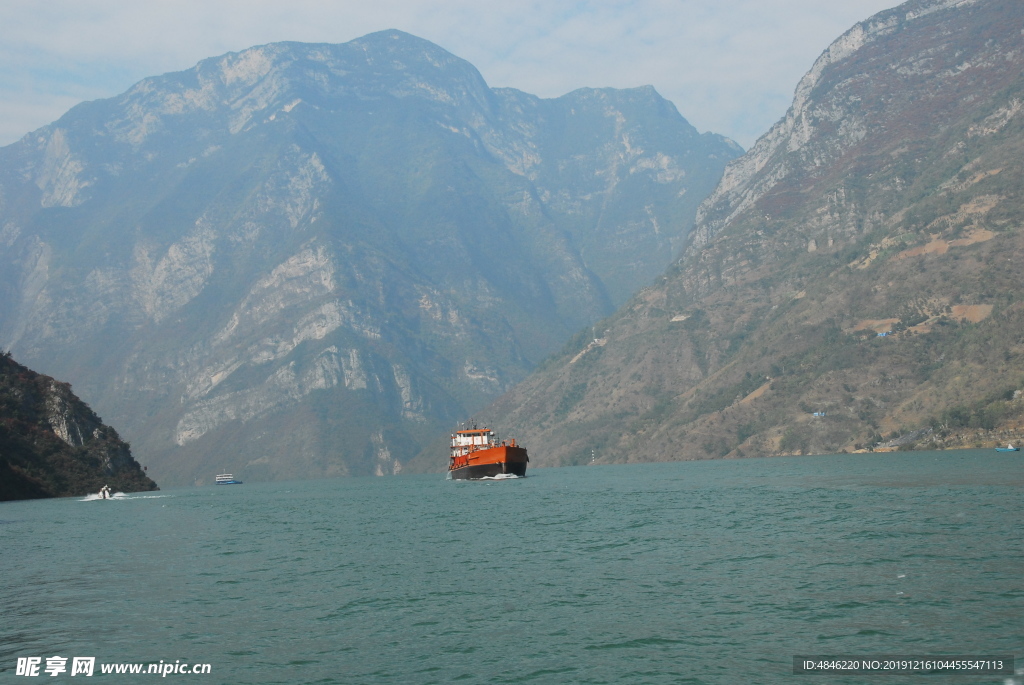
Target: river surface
{"points": [[691, 572]]}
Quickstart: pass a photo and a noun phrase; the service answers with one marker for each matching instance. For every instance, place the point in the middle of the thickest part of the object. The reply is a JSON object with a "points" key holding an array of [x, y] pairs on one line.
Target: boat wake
{"points": [[501, 476], [92, 497]]}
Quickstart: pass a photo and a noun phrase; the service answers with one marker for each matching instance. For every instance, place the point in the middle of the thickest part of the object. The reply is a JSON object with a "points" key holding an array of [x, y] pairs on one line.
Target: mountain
{"points": [[53, 445], [307, 260], [854, 282]]}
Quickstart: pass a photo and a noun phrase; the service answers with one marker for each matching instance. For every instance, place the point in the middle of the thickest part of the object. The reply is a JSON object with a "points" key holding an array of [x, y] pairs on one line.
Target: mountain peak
{"points": [[400, 45], [906, 57], [361, 239], [243, 89]]}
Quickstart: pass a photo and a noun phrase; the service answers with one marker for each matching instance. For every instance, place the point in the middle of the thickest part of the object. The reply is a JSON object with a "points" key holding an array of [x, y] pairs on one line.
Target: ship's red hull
{"points": [[489, 462]]}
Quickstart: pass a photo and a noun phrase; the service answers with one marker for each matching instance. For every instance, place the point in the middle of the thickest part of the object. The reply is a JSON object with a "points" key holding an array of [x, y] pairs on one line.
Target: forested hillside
{"points": [[854, 282], [53, 445]]}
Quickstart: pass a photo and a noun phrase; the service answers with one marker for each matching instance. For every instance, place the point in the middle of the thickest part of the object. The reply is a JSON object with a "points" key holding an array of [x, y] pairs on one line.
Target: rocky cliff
{"points": [[303, 260], [855, 278], [53, 445]]}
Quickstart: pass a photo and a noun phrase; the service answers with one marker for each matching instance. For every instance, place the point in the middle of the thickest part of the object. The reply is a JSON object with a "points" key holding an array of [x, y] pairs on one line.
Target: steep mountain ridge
{"points": [[303, 260], [887, 201], [53, 445]]}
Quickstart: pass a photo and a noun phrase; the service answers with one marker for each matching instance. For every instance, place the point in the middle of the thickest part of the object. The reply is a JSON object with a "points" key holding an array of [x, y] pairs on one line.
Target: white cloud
{"points": [[730, 66]]}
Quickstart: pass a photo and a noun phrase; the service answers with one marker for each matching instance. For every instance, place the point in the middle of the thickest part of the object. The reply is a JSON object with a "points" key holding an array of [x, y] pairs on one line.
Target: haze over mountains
{"points": [[303, 260], [854, 281], [312, 260]]}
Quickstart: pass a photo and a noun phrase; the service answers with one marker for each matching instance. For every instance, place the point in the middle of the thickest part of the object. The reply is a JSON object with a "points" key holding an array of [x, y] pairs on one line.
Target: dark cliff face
{"points": [[303, 260], [53, 445], [888, 200]]}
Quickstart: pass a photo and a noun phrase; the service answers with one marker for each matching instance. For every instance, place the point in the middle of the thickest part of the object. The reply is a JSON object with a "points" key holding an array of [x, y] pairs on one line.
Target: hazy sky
{"points": [[730, 66]]}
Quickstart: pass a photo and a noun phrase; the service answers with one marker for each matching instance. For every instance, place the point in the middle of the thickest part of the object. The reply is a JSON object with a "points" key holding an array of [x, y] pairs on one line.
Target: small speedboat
{"points": [[1008, 448]]}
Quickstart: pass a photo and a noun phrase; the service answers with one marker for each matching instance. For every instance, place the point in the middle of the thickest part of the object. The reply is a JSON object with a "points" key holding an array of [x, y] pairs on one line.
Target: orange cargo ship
{"points": [[476, 453]]}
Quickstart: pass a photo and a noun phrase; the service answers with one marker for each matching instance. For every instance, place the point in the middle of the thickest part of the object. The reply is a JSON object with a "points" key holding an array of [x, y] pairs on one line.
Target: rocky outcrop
{"points": [[53, 445]]}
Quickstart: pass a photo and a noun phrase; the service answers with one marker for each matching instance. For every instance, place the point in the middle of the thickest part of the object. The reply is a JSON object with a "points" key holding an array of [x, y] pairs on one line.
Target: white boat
{"points": [[226, 479]]}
